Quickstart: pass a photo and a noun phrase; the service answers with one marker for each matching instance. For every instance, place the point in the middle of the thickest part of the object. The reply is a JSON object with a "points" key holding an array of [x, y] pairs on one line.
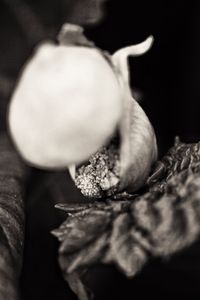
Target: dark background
{"points": [[168, 78]]}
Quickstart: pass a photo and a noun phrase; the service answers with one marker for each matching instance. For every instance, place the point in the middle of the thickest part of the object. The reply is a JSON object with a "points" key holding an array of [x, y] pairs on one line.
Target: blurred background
{"points": [[167, 79]]}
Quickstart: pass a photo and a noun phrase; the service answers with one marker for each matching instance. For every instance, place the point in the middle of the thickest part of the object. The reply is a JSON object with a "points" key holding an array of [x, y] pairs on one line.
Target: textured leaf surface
{"points": [[12, 217], [127, 232]]}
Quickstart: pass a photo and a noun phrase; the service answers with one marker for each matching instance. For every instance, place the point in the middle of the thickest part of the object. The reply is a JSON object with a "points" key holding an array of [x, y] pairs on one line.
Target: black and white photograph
{"points": [[99, 149]]}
